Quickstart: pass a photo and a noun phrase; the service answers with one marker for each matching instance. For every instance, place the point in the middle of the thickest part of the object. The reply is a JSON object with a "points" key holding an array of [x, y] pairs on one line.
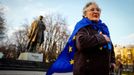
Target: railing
{"points": [[11, 64]]}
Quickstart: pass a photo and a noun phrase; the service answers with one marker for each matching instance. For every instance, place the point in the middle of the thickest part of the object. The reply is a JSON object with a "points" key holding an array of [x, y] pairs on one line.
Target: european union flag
{"points": [[64, 62]]}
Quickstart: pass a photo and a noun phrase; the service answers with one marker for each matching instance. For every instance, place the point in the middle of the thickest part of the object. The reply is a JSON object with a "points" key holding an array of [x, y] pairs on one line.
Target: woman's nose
{"points": [[96, 11]]}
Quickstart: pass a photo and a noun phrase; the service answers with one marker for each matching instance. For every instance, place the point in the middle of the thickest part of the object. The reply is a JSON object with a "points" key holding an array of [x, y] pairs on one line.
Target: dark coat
{"points": [[89, 59]]}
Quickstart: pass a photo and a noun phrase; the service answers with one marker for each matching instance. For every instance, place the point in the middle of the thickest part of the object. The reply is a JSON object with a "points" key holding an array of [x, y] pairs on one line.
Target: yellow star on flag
{"points": [[70, 49], [72, 61], [74, 37]]}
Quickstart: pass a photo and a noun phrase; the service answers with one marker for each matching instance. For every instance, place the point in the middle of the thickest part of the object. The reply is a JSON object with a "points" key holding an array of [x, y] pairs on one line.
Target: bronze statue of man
{"points": [[36, 35]]}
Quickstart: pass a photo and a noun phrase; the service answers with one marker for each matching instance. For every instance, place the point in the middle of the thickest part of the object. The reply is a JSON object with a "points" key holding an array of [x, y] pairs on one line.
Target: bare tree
{"points": [[20, 38], [2, 23], [55, 37]]}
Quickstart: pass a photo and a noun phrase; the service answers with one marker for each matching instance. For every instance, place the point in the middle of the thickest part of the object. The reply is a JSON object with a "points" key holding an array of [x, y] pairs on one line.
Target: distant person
{"points": [[119, 67], [36, 35]]}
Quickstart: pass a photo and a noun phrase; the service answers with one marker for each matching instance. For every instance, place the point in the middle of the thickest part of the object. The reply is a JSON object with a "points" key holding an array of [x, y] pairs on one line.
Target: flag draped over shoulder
{"points": [[64, 62]]}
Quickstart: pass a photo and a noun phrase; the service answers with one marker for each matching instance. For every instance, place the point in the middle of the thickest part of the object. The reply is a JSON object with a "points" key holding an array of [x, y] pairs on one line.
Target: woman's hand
{"points": [[106, 37]]}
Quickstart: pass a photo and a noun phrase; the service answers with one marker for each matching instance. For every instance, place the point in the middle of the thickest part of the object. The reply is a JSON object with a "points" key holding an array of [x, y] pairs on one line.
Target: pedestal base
{"points": [[31, 56]]}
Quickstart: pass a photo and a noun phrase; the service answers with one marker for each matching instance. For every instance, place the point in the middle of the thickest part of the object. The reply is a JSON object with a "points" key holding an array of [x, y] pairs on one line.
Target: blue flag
{"points": [[64, 62]]}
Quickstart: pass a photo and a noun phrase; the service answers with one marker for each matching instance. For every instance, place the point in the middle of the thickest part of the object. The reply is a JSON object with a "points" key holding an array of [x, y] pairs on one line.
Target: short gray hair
{"points": [[86, 6]]}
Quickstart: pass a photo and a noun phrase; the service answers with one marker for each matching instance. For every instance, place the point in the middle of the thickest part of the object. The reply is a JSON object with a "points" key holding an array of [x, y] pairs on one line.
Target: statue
{"points": [[36, 35]]}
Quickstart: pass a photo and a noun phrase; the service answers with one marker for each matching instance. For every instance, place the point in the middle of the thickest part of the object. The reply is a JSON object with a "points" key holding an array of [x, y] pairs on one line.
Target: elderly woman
{"points": [[89, 50], [94, 48]]}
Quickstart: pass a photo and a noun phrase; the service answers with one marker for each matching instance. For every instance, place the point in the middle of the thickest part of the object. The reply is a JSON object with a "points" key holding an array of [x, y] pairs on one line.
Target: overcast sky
{"points": [[117, 14]]}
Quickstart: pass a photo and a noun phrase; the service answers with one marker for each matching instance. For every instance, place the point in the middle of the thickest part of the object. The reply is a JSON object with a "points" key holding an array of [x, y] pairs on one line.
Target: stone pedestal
{"points": [[31, 56]]}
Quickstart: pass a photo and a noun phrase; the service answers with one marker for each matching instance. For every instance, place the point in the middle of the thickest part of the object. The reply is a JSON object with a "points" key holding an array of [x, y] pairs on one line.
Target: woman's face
{"points": [[93, 12]]}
